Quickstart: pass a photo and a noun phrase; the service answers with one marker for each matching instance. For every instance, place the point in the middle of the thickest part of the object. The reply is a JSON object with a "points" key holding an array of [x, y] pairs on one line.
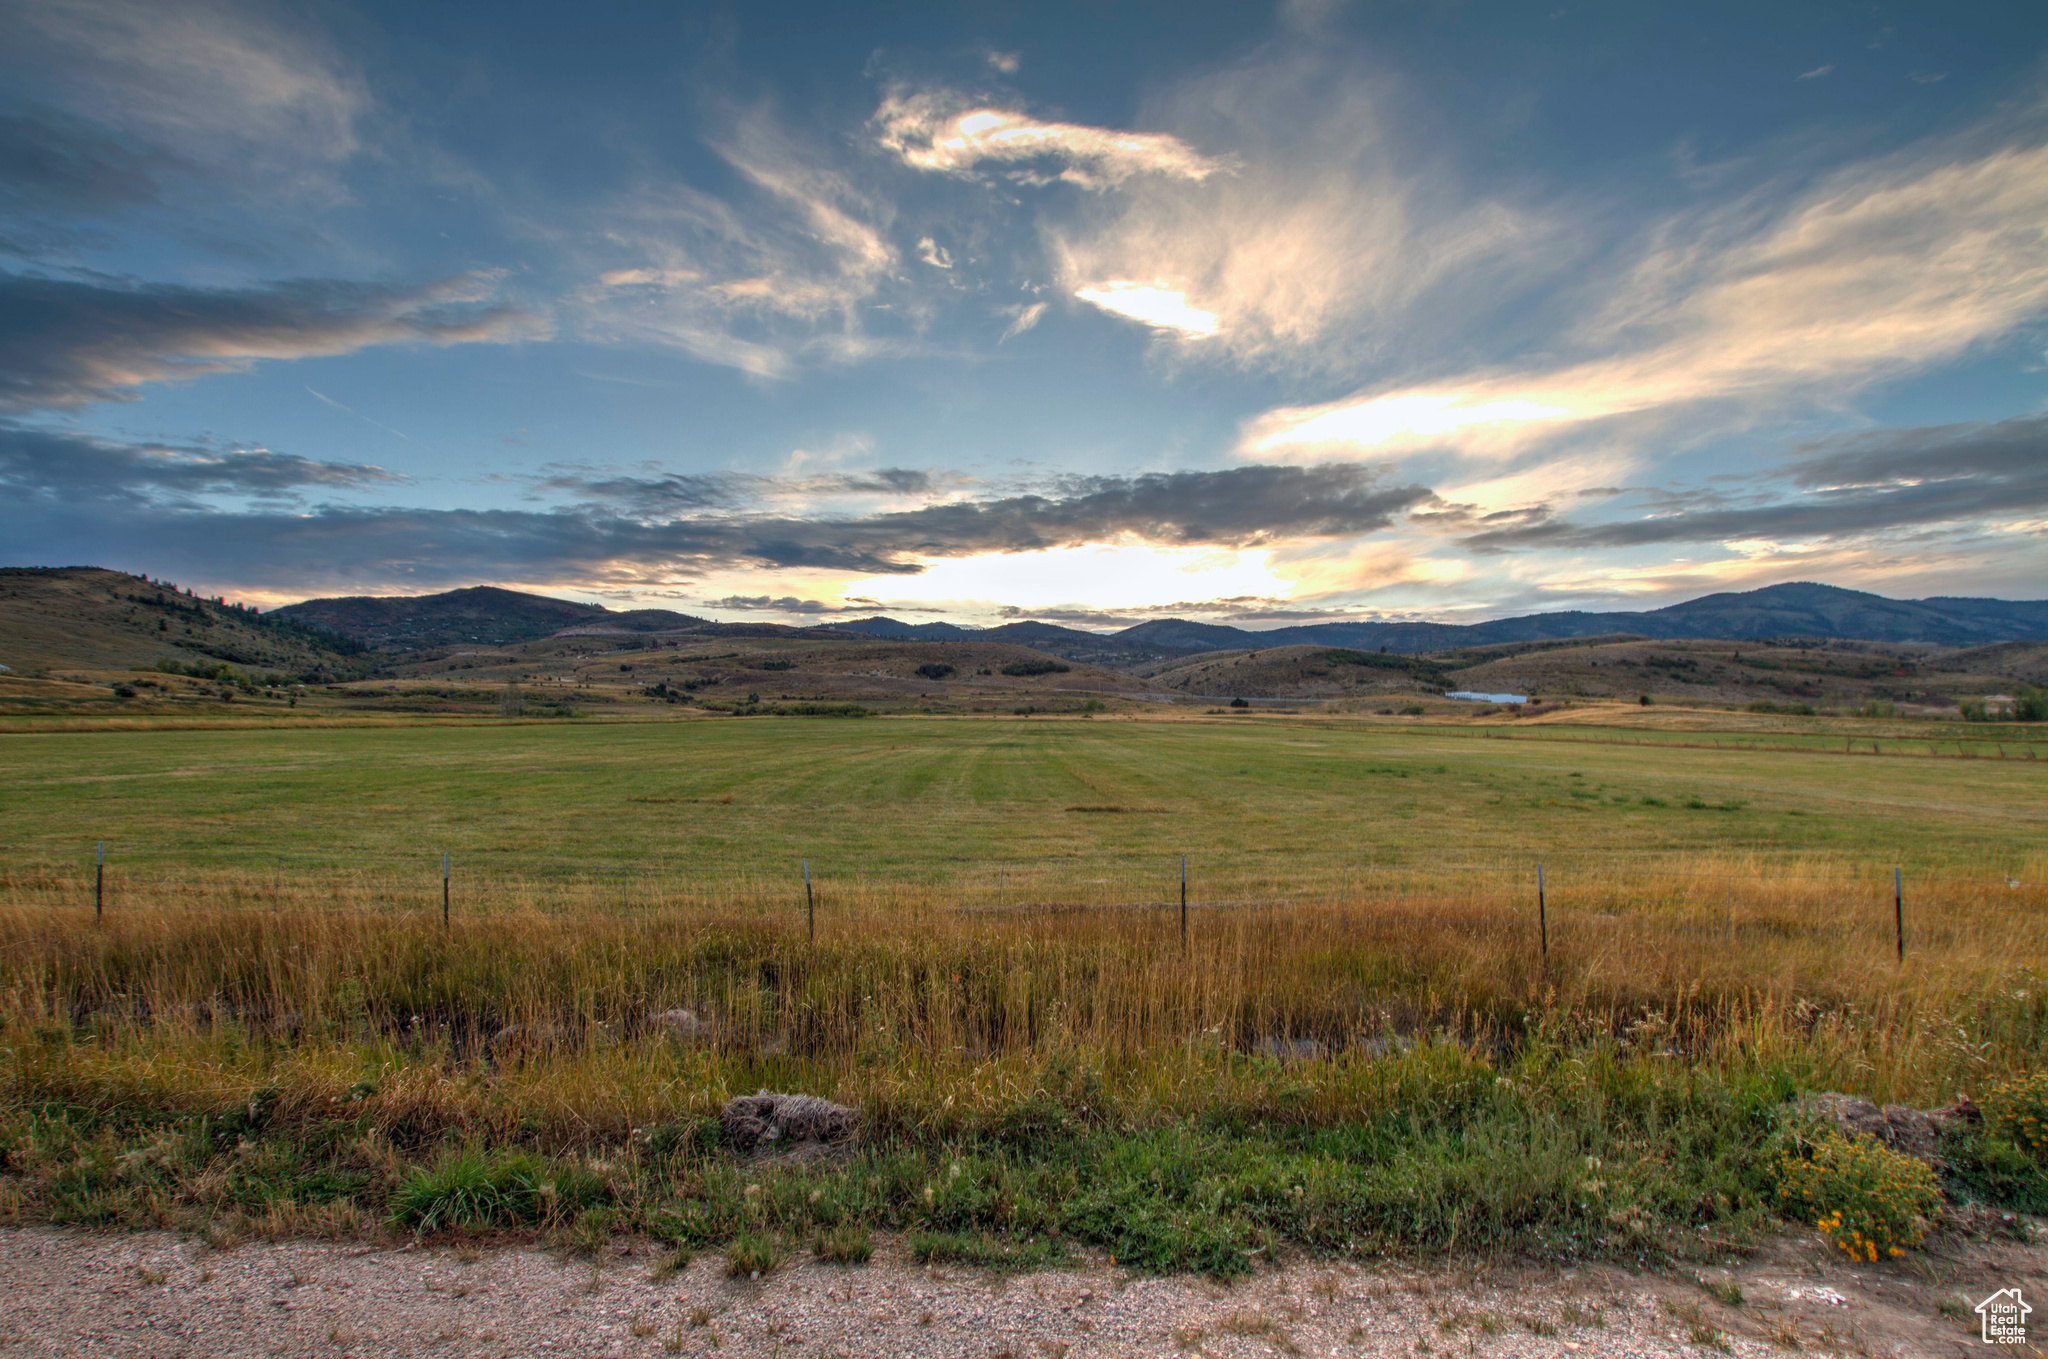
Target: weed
{"points": [[752, 1254], [846, 1244], [671, 1263], [1727, 1292]]}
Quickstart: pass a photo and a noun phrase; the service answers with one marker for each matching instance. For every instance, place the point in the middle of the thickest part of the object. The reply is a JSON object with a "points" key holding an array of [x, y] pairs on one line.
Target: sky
{"points": [[1089, 312]]}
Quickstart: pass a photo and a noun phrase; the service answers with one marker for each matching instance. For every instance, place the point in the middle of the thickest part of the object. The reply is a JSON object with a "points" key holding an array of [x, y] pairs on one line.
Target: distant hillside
{"points": [[486, 615], [635, 621], [70, 618], [923, 632], [481, 613], [1799, 609]]}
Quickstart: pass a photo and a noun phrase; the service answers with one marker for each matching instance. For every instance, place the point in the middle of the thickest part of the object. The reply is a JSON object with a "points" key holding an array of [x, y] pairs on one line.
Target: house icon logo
{"points": [[2005, 1317]]}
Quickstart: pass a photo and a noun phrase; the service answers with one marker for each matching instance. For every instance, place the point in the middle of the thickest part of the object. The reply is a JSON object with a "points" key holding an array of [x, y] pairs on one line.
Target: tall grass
{"points": [[911, 1002]]}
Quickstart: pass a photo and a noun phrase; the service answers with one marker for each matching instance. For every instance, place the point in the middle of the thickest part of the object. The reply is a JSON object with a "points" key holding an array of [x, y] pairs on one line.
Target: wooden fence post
{"points": [[99, 882], [1542, 913], [1183, 903], [444, 889], [810, 903]]}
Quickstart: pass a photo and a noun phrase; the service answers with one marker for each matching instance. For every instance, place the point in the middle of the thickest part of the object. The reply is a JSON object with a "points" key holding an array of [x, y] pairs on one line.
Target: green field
{"points": [[1360, 1044], [1271, 801]]}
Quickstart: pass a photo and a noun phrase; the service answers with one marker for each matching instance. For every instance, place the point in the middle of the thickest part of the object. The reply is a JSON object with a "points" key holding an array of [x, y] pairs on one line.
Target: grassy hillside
{"points": [[83, 619]]}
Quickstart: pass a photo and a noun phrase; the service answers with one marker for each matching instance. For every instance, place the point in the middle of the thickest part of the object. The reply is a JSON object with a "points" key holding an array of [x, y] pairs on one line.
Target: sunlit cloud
{"points": [[1884, 268], [1319, 246], [1160, 308], [943, 132]]}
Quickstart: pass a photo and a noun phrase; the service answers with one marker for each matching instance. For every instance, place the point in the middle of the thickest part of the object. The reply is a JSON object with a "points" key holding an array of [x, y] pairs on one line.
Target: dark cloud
{"points": [[656, 497], [46, 467], [1863, 484], [671, 494], [888, 481], [786, 604], [64, 342], [334, 544]]}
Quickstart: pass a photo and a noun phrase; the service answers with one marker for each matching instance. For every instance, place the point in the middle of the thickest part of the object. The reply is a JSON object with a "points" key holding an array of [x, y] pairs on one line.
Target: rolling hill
{"points": [[85, 618]]}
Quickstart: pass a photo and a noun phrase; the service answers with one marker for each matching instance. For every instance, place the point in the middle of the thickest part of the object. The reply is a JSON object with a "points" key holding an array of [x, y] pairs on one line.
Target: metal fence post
{"points": [[444, 889], [810, 903], [1898, 913], [1183, 903], [99, 882], [1542, 913]]}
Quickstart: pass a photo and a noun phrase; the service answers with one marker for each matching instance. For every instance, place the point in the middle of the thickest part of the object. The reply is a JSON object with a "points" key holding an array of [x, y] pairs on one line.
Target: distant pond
{"points": [[1471, 697]]}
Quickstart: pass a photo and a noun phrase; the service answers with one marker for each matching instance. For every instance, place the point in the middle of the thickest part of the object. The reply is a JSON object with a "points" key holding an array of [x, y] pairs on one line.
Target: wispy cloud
{"points": [[64, 342], [1883, 268], [1816, 73], [781, 270], [1319, 245], [242, 91]]}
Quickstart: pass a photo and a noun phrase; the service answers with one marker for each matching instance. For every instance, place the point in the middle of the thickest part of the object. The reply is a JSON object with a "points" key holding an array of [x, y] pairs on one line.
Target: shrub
{"points": [[1239, 703], [2017, 1110], [1863, 1196], [935, 670], [1027, 668]]}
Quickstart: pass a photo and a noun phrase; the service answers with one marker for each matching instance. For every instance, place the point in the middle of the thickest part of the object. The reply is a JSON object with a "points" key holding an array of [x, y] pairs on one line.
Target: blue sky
{"points": [[1086, 312]]}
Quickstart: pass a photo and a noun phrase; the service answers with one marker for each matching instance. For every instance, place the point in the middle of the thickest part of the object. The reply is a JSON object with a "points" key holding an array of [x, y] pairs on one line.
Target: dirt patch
{"points": [[157, 1294]]}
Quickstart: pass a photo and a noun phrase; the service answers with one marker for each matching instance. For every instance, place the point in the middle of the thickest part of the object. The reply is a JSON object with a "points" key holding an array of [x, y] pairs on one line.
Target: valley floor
{"points": [[161, 1295]]}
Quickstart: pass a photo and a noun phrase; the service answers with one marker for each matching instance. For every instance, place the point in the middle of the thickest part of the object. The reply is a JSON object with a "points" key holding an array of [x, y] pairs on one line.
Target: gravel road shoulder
{"points": [[161, 1295]]}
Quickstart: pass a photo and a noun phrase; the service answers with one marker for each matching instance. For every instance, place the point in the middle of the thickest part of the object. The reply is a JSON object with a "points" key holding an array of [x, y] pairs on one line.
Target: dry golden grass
{"points": [[923, 1008]]}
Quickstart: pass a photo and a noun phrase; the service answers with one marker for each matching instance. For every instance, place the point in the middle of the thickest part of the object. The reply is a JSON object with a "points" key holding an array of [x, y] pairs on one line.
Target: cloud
{"points": [[934, 254], [331, 545], [1316, 251], [240, 91], [948, 133], [65, 342], [1025, 318], [1816, 73], [785, 604], [1158, 308], [784, 267], [45, 467], [1863, 484], [52, 163], [1882, 268], [670, 494]]}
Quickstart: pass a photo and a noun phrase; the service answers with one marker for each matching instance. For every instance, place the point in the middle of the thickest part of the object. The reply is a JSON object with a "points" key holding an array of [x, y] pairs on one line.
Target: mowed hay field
{"points": [[1361, 1044]]}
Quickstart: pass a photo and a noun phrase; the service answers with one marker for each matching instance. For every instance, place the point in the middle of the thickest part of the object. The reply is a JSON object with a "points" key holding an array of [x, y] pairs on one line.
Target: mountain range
{"points": [[484, 614], [1797, 609]]}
